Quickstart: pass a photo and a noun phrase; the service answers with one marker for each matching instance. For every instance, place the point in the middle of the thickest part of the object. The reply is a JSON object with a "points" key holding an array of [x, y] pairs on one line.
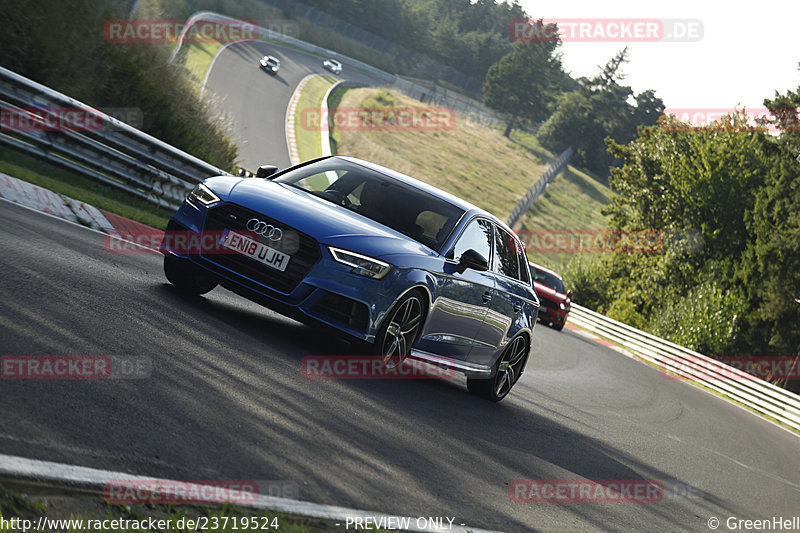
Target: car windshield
{"points": [[547, 279], [400, 206]]}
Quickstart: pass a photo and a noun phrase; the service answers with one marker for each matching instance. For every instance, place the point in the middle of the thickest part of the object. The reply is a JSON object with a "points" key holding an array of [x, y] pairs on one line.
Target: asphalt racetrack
{"points": [[226, 400]]}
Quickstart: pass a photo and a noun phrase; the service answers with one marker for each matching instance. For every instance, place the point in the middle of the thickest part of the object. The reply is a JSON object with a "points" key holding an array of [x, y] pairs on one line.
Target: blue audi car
{"points": [[377, 255]]}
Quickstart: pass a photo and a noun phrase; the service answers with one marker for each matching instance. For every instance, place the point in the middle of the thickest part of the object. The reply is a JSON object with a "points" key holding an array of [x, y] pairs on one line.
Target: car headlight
{"points": [[562, 306], [362, 265], [202, 194]]}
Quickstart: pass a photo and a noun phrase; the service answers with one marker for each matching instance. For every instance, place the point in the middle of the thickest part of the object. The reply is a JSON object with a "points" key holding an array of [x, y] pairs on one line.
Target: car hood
{"points": [[329, 223], [548, 293]]}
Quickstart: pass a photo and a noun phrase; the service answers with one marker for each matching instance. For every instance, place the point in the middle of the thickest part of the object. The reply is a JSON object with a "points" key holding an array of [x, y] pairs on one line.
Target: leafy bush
{"points": [[625, 311], [586, 276], [707, 319]]}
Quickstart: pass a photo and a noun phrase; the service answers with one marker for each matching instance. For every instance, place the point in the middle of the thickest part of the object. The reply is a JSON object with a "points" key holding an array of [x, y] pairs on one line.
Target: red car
{"points": [[553, 299]]}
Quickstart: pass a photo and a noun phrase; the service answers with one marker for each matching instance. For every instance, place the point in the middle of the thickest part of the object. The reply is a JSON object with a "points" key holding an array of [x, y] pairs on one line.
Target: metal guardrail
{"points": [[681, 363], [113, 153], [534, 192]]}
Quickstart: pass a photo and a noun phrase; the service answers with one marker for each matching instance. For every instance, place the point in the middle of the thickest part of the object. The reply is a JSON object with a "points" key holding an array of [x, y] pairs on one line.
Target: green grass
{"points": [[197, 58], [308, 139], [571, 202], [81, 188], [467, 159]]}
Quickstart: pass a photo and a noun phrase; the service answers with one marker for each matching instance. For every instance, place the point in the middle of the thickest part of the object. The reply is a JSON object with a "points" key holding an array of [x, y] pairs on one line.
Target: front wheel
{"points": [[187, 277], [509, 370], [400, 330]]}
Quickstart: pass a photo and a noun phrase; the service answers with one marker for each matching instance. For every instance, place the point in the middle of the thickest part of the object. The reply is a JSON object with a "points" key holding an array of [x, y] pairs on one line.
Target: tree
{"points": [[599, 108], [523, 83], [771, 269]]}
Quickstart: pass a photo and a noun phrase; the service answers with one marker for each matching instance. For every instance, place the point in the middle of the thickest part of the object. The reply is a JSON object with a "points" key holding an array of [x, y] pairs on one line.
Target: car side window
{"points": [[524, 271], [507, 256], [477, 236]]}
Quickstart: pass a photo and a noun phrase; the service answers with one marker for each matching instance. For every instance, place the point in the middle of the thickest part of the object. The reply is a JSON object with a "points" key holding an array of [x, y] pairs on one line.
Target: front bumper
{"points": [[327, 293], [550, 314]]}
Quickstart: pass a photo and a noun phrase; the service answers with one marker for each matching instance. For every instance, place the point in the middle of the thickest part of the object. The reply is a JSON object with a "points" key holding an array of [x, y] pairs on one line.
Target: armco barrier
{"points": [[538, 188], [674, 360], [116, 153]]}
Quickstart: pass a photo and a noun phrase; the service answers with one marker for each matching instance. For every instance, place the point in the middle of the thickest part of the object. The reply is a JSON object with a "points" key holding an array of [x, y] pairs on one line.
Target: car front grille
{"points": [[302, 249]]}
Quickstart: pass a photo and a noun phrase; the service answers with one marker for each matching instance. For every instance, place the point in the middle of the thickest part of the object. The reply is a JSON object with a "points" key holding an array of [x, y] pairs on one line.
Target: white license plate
{"points": [[254, 249]]}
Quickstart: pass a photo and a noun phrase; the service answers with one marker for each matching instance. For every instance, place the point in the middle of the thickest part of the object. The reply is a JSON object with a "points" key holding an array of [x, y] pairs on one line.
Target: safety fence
{"points": [[538, 188], [49, 125]]}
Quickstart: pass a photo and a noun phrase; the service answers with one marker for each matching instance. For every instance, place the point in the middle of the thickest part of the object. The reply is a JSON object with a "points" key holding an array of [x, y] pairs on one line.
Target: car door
{"points": [[457, 313]]}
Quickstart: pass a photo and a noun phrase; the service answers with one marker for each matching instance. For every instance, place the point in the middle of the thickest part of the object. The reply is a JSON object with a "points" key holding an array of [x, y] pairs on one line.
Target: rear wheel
{"points": [[509, 369], [400, 330], [186, 276]]}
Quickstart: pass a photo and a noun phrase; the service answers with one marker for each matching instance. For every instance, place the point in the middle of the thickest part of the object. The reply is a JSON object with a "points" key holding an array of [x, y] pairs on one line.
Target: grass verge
{"points": [[469, 160], [572, 202], [102, 196], [307, 133], [197, 59], [34, 501]]}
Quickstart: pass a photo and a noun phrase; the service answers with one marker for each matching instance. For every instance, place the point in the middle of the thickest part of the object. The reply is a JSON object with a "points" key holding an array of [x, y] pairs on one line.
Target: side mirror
{"points": [[474, 260], [569, 295], [265, 171]]}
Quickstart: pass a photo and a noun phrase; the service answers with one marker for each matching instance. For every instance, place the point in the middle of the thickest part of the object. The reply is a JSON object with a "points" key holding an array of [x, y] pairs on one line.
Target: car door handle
{"points": [[487, 297], [517, 307]]}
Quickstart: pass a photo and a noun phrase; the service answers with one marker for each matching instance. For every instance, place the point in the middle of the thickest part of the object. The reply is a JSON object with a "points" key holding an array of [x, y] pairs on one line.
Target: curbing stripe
{"points": [[291, 139]]}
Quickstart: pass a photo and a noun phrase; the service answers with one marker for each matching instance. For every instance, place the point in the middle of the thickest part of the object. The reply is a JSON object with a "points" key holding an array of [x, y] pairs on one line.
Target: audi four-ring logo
{"points": [[267, 230]]}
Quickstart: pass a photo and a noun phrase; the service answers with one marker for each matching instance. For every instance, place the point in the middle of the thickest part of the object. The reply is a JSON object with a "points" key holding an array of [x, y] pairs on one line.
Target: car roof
{"points": [[470, 209], [540, 267]]}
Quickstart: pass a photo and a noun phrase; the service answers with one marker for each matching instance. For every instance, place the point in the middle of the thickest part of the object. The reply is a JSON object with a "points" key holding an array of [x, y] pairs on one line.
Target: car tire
{"points": [[557, 327], [400, 330], [508, 370], [187, 277]]}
